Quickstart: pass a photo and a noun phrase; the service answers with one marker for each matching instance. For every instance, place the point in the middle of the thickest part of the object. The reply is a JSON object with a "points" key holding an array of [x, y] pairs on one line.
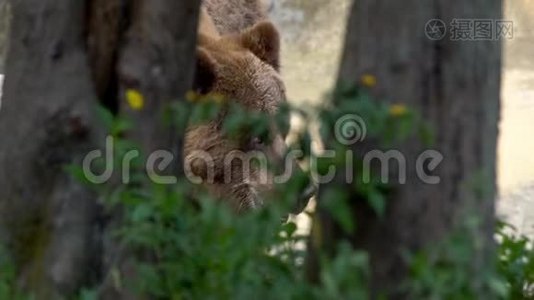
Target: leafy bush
{"points": [[202, 250], [515, 262], [193, 247], [207, 252], [8, 287], [451, 269], [180, 248]]}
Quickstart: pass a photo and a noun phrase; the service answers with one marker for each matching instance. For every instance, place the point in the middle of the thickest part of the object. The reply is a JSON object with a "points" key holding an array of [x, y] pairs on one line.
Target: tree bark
{"points": [[158, 60], [65, 57], [454, 86]]}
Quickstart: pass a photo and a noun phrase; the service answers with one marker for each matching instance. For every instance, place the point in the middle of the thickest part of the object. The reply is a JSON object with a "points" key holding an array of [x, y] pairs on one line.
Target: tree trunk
{"points": [[65, 57], [5, 18], [454, 86]]}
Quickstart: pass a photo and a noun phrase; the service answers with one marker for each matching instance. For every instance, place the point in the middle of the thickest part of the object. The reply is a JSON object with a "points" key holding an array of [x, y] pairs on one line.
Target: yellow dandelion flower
{"points": [[192, 96], [398, 110], [217, 98], [135, 99], [368, 80]]}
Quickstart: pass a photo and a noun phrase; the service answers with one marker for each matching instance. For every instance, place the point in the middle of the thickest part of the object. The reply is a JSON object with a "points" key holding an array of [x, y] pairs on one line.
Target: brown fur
{"points": [[237, 57], [234, 16]]}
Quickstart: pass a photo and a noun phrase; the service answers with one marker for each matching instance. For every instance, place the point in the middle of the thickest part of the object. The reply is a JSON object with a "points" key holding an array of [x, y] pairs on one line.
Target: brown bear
{"points": [[238, 58]]}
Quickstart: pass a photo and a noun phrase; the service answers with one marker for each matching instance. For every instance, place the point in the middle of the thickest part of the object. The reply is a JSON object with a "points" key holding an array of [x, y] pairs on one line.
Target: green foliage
{"points": [[383, 126], [198, 249], [192, 247], [388, 124], [345, 276], [8, 286], [183, 245], [515, 262], [447, 271], [201, 250], [451, 269], [338, 206]]}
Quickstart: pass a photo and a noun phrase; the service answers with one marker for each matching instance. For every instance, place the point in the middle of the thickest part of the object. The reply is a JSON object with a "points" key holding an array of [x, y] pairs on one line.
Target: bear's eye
{"points": [[257, 141]]}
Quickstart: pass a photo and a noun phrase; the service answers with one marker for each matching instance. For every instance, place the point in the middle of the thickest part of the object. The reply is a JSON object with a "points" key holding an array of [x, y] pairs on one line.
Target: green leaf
{"points": [[427, 136], [377, 201], [290, 228], [121, 125], [335, 200], [142, 212], [77, 173], [105, 116], [88, 294]]}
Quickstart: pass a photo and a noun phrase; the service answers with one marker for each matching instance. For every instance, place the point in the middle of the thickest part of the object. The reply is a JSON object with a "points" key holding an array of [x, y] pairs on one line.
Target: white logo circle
{"points": [[435, 29], [350, 129]]}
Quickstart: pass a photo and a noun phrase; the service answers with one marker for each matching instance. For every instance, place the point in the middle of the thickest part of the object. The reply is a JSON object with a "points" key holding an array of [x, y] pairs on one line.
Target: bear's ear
{"points": [[263, 40], [205, 73]]}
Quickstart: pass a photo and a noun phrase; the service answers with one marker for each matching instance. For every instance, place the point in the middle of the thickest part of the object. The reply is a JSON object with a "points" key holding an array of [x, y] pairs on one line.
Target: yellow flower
{"points": [[368, 80], [398, 110], [135, 99], [191, 96], [217, 98]]}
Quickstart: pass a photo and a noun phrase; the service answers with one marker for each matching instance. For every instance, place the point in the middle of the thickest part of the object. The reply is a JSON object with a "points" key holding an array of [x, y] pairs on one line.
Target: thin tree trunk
{"points": [[65, 57], [454, 86]]}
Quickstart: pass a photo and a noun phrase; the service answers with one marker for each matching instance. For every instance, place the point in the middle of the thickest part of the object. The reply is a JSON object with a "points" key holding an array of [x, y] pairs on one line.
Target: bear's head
{"points": [[243, 68]]}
